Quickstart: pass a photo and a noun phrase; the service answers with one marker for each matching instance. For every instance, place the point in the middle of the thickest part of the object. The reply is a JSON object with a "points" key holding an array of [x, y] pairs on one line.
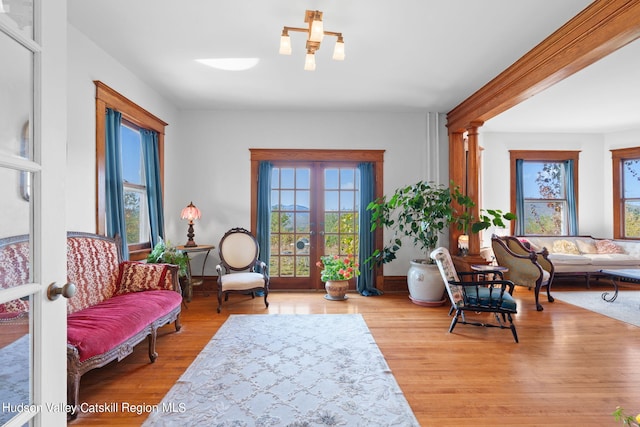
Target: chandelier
{"points": [[315, 33]]}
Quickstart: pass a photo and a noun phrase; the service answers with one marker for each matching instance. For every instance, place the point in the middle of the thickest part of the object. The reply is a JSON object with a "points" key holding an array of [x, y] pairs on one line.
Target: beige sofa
{"points": [[586, 255]]}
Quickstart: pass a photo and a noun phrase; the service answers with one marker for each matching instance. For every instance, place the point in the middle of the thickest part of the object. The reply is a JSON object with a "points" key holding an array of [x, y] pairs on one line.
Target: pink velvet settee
{"points": [[117, 303]]}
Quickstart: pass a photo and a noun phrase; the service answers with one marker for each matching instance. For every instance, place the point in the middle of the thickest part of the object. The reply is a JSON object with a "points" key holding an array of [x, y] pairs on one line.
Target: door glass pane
{"points": [[18, 14], [15, 270], [15, 353], [340, 212], [16, 102], [290, 222]]}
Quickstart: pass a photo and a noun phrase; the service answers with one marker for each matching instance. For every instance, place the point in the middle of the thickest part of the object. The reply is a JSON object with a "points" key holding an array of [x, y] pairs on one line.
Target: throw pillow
{"points": [[608, 247], [565, 247], [138, 276], [587, 246]]}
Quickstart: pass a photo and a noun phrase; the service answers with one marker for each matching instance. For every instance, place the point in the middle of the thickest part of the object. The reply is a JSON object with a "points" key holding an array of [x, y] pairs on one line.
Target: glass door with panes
{"points": [[32, 225], [314, 212]]}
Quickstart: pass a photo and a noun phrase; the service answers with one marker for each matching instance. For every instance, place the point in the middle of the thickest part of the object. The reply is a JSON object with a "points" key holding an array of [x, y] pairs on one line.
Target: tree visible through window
{"points": [[545, 201], [136, 214], [545, 187], [626, 193]]}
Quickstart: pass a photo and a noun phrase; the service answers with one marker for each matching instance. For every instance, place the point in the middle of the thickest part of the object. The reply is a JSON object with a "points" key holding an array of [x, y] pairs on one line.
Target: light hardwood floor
{"points": [[571, 367]]}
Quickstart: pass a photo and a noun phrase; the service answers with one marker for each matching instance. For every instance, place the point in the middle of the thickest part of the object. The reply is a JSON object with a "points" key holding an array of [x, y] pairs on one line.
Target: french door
{"points": [[314, 212], [32, 170]]}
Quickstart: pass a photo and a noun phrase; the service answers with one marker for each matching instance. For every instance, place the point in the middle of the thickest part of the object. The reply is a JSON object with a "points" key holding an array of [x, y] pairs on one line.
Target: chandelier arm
{"points": [[300, 30], [332, 33]]}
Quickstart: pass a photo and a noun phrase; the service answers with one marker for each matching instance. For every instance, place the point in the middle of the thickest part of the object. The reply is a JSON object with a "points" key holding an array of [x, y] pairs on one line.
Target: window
{"points": [[626, 193], [136, 212], [545, 186], [135, 122]]}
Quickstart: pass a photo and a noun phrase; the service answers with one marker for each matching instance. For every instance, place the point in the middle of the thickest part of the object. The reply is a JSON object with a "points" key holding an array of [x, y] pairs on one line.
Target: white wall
{"points": [[86, 63], [595, 186], [211, 164]]}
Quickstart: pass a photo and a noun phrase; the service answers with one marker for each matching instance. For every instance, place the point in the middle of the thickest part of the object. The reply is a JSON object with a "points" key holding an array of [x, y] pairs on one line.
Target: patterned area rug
{"points": [[287, 370], [14, 377], [626, 306]]}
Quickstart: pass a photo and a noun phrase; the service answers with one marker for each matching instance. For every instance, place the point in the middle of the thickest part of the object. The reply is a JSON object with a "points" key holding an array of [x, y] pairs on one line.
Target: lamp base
{"points": [[190, 235]]}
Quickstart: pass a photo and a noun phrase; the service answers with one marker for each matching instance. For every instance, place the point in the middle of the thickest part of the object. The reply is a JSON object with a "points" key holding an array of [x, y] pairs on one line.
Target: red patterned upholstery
{"points": [[14, 271], [138, 277], [93, 266]]}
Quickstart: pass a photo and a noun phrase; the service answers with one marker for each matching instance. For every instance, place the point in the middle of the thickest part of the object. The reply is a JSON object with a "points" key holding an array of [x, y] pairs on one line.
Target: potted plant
{"points": [[422, 211], [164, 252], [336, 272]]}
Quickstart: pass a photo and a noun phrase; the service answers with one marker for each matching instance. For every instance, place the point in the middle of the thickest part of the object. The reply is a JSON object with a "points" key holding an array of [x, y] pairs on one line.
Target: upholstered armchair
{"points": [[240, 271], [526, 267]]}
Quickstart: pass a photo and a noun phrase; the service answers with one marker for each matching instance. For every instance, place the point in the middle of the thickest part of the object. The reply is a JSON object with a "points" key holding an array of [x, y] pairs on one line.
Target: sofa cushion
{"points": [[138, 276], [565, 246], [614, 259], [569, 258], [608, 247], [587, 246], [100, 328]]}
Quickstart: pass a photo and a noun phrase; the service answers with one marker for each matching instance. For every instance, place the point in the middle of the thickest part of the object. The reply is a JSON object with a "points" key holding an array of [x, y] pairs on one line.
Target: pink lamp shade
{"points": [[190, 213]]}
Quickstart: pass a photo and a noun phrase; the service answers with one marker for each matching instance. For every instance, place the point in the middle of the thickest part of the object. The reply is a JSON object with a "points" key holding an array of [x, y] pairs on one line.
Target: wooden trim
{"points": [[107, 97], [316, 155], [617, 157], [534, 155], [601, 28]]}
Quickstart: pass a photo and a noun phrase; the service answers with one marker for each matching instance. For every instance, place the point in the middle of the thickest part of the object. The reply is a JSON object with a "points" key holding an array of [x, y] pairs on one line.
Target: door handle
{"points": [[54, 291]]}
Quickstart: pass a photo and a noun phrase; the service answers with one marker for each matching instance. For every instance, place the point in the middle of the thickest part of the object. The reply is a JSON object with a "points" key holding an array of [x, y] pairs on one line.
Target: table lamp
{"points": [[190, 213]]}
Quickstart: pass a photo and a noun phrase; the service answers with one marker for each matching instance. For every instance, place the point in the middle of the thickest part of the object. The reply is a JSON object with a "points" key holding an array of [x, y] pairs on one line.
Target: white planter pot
{"points": [[426, 287]]}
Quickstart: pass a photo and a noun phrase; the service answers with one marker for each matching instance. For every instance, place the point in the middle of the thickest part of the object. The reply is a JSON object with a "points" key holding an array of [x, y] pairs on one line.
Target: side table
{"points": [[485, 269], [191, 282]]}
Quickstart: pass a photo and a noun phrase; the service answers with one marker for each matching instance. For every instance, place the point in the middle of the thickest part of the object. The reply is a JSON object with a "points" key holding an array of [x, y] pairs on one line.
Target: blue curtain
{"points": [[113, 177], [154, 184], [571, 199], [519, 229], [366, 280], [263, 226]]}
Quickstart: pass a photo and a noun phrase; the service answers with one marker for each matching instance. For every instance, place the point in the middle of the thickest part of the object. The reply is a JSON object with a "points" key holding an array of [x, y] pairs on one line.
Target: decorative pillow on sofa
{"points": [[587, 246], [565, 247], [138, 276], [608, 247]]}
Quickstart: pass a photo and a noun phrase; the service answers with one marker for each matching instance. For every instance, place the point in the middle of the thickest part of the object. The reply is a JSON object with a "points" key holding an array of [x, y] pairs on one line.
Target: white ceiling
{"points": [[405, 55]]}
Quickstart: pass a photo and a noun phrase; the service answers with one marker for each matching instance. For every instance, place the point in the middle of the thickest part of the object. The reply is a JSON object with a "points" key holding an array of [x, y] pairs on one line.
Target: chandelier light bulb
{"points": [[310, 62], [285, 45], [317, 29], [338, 50]]}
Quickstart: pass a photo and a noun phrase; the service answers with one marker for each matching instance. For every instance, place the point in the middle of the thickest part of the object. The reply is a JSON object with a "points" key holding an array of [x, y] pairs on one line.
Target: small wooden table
{"points": [[485, 269], [629, 275], [195, 282]]}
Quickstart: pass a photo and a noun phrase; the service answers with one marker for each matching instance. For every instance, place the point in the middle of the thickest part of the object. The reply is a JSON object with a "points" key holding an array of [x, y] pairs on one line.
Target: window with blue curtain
{"points": [[545, 190], [129, 200]]}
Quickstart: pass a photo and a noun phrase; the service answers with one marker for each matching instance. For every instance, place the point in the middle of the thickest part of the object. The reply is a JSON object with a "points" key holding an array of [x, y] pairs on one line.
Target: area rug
{"points": [[14, 377], [287, 370], [626, 306]]}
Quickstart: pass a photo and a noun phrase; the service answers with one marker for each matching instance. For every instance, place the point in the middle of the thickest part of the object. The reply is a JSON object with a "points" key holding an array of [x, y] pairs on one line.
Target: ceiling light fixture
{"points": [[315, 33]]}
